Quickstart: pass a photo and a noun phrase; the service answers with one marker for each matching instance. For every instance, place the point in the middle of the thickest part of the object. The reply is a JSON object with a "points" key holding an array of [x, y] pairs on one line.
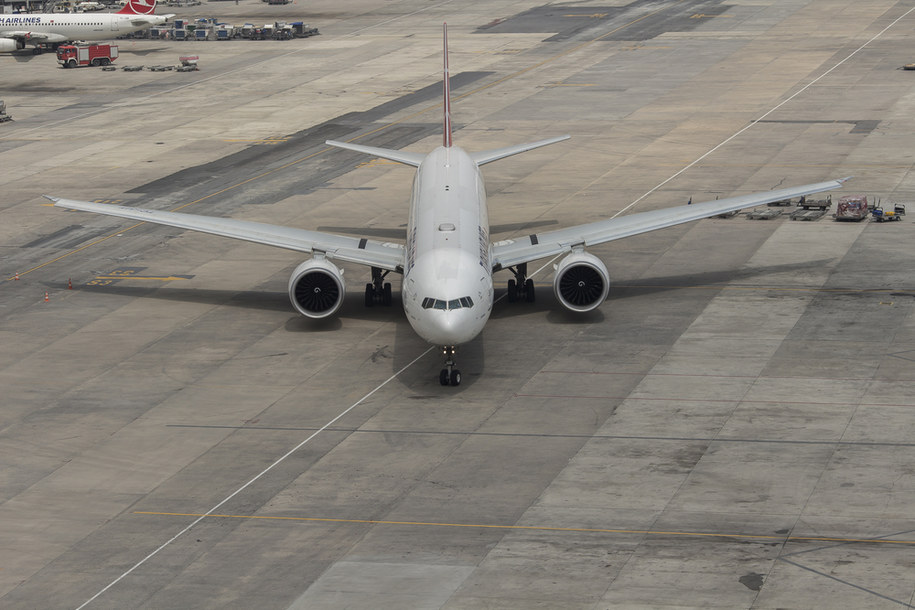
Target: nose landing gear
{"points": [[449, 375]]}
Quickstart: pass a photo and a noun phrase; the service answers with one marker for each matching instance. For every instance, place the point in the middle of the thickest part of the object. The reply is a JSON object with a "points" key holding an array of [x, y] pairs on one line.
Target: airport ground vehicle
{"points": [[72, 56], [881, 215], [852, 207]]}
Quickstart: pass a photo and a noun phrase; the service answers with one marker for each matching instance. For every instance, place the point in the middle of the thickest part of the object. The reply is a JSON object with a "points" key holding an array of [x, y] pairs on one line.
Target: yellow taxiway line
{"points": [[542, 528]]}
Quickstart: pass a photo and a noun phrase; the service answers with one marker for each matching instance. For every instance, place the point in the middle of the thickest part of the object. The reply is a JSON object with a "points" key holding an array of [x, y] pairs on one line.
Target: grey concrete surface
{"points": [[733, 428]]}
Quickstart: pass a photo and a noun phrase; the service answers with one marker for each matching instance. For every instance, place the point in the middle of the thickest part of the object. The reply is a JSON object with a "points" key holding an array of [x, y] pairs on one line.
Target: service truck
{"points": [[72, 56]]}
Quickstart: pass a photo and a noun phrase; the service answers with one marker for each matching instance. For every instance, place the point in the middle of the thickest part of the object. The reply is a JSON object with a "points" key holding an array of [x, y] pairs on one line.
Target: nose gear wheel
{"points": [[449, 375]]}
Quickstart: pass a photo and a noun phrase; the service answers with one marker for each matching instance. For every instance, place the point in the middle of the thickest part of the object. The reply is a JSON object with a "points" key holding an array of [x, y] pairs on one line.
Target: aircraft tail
{"points": [[138, 7], [446, 92]]}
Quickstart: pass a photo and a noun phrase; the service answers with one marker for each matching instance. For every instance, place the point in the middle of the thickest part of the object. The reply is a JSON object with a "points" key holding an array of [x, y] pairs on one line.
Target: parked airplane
{"points": [[448, 259], [17, 31]]}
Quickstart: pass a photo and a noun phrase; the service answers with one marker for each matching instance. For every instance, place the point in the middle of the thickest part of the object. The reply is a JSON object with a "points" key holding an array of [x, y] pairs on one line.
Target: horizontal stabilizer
{"points": [[488, 156], [401, 156]]}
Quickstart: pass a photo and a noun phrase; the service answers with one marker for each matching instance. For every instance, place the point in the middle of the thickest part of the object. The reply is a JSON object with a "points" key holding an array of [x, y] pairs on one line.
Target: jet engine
{"points": [[8, 44], [316, 288], [581, 282]]}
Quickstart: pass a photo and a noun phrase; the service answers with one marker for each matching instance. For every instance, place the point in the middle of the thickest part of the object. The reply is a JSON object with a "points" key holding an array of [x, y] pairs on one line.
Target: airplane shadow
{"points": [[423, 378], [24, 55]]}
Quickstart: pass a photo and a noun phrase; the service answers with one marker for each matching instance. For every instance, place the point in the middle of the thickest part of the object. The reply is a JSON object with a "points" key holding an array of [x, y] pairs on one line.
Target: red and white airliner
{"points": [[17, 31], [448, 259]]}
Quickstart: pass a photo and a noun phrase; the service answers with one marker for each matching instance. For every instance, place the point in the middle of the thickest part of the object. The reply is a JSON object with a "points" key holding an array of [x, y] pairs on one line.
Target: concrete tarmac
{"points": [[734, 427]]}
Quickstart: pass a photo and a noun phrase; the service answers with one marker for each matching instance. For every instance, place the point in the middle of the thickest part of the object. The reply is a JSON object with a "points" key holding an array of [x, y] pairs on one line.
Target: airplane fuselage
{"points": [[447, 287], [62, 27]]}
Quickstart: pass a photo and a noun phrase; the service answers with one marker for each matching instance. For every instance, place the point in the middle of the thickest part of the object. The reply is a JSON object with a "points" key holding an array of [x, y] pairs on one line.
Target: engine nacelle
{"points": [[316, 288], [582, 282], [8, 44]]}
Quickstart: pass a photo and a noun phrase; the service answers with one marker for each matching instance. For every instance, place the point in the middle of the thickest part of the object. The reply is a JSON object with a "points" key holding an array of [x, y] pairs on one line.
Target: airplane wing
{"points": [[513, 252], [34, 36], [385, 255]]}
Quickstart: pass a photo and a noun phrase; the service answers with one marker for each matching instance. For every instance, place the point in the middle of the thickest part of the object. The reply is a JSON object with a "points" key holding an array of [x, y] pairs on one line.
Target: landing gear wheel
{"points": [[369, 295], [512, 291], [386, 297], [455, 377], [529, 291], [443, 377]]}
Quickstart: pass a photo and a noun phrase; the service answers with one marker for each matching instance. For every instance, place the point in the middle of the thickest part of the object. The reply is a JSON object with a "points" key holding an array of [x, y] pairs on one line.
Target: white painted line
{"points": [[259, 475], [773, 109]]}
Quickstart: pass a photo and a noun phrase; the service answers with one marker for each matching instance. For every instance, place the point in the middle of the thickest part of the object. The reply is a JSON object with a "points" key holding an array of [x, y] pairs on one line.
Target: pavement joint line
{"points": [[274, 464], [717, 376], [542, 435], [542, 528], [713, 400]]}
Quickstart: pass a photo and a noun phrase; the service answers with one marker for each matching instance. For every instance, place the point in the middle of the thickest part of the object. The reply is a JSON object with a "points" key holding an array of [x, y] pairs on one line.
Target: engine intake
{"points": [[316, 288], [582, 282]]}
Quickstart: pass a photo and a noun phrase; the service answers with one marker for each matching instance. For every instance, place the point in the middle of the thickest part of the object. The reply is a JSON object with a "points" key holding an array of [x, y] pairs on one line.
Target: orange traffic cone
{"points": [[46, 299], [69, 284]]}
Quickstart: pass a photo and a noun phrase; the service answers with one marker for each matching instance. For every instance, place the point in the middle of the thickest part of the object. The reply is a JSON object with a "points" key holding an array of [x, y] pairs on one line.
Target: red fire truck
{"points": [[71, 56]]}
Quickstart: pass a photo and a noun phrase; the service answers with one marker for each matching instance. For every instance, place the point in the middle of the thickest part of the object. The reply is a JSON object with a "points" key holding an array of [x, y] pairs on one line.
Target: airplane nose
{"points": [[451, 327]]}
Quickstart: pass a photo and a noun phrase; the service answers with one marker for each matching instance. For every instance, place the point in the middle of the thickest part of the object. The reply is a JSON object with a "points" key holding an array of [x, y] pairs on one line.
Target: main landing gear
{"points": [[378, 291], [521, 288], [449, 374]]}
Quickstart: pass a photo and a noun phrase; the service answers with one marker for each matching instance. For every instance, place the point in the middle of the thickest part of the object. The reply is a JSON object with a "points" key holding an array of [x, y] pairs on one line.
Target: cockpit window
{"points": [[430, 303]]}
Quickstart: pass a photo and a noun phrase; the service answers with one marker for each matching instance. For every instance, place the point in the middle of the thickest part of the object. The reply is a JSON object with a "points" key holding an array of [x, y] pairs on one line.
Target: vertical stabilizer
{"points": [[446, 91], [138, 7]]}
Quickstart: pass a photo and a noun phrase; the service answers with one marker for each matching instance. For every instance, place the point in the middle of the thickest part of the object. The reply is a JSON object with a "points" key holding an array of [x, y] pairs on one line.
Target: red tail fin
{"points": [[446, 91], [138, 7]]}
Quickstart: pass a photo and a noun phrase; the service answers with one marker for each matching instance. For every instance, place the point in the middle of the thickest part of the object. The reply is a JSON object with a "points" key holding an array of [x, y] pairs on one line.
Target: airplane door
{"points": [[114, 24]]}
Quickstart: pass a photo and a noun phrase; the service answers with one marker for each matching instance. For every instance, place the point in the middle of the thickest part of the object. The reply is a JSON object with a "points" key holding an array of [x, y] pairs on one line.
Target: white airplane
{"points": [[448, 259], [17, 31]]}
